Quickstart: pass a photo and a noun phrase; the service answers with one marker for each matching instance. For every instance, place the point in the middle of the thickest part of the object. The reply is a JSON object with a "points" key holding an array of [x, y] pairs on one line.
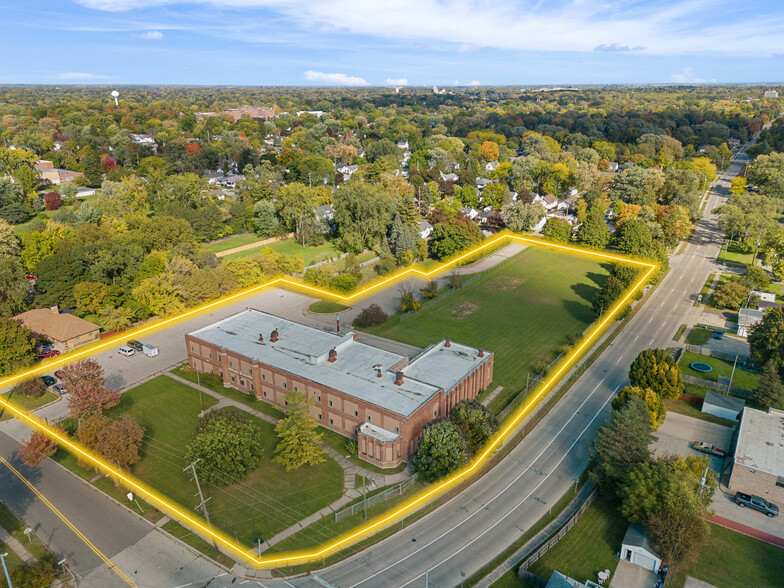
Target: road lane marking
{"points": [[563, 457], [70, 525], [520, 475]]}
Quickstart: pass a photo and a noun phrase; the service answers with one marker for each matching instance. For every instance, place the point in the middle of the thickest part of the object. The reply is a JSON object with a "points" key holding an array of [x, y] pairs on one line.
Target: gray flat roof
{"points": [[749, 316], [761, 441], [303, 351], [724, 401]]}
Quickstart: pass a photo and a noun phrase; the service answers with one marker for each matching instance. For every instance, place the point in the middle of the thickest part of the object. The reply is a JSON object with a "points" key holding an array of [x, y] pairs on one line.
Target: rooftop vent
{"points": [[481, 352], [447, 342], [378, 367], [398, 378], [333, 355], [261, 338], [274, 336]]}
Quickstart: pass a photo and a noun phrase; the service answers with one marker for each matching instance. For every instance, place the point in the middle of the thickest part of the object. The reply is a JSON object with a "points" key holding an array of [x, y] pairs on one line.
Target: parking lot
{"points": [[678, 432]]}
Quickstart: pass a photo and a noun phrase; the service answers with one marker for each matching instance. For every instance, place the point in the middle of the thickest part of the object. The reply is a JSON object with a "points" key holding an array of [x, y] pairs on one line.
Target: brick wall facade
{"points": [[333, 409]]}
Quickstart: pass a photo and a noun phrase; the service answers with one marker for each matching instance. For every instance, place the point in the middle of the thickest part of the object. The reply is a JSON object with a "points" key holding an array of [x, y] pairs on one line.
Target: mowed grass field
{"points": [[269, 500], [522, 310]]}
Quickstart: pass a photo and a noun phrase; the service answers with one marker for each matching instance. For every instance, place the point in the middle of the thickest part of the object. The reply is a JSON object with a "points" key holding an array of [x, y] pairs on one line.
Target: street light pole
{"points": [[5, 569]]}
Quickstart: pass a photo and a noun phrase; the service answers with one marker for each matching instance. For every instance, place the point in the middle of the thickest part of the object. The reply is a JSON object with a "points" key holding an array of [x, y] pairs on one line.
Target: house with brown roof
{"points": [[65, 330]]}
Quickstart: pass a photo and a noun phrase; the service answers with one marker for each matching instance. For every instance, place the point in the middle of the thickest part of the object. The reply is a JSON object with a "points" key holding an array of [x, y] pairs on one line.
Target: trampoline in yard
{"points": [[698, 366]]}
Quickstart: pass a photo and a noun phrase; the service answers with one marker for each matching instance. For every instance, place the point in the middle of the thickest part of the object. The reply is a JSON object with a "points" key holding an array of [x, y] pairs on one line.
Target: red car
{"points": [[31, 277], [48, 353]]}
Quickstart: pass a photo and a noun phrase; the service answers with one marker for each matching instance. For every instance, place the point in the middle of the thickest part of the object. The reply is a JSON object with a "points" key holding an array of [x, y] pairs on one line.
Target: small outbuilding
{"points": [[65, 330], [723, 406], [637, 549]]}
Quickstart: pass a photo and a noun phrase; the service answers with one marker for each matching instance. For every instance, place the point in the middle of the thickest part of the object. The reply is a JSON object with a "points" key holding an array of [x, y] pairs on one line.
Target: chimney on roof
{"points": [[398, 378], [378, 367], [274, 336], [333, 355], [261, 338], [447, 342], [481, 352], [54, 310]]}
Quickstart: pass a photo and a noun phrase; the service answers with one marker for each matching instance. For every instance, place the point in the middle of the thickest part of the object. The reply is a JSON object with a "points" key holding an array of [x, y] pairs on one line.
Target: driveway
{"points": [[724, 506], [678, 432]]}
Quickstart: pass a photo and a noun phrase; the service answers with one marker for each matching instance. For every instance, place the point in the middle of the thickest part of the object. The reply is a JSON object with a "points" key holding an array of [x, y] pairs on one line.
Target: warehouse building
{"points": [[758, 455]]}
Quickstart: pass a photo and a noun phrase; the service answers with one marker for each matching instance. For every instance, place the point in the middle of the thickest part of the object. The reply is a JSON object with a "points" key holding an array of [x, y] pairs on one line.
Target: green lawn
{"points": [[741, 379], [686, 409], [703, 297], [699, 336], [266, 502], [232, 242], [589, 547], [522, 310], [27, 403], [327, 307], [311, 255], [733, 255], [778, 290], [338, 442], [731, 559]]}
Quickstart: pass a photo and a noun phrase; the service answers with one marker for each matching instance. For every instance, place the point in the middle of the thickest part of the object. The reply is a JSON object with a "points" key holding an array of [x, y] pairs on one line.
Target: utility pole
{"points": [[364, 496], [203, 503], [732, 375], [5, 569]]}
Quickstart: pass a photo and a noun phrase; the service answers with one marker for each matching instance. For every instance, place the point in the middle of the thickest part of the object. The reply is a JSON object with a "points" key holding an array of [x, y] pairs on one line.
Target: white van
{"points": [[126, 351], [150, 350]]}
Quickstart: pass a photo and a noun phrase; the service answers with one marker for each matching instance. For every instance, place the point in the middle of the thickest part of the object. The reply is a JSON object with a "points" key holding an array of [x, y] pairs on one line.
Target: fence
{"points": [[553, 541], [743, 360], [734, 390], [395, 490]]}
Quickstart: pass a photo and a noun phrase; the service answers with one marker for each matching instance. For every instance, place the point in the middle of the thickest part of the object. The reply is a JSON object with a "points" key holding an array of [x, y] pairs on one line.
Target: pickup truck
{"points": [[756, 503], [708, 448]]}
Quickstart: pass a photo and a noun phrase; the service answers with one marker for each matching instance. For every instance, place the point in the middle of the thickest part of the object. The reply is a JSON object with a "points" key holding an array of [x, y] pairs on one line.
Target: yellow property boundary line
{"points": [[232, 547]]}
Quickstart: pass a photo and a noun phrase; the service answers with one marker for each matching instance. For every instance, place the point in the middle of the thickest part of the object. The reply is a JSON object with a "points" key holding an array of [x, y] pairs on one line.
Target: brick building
{"points": [[758, 455], [377, 397]]}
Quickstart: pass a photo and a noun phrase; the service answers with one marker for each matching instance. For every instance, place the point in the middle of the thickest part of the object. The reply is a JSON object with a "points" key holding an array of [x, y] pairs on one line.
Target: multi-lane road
{"points": [[441, 549]]}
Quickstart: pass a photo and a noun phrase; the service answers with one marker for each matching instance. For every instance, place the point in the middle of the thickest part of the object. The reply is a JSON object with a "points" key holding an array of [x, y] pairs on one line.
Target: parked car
{"points": [[59, 374], [136, 345], [126, 351], [756, 503], [718, 334], [708, 448], [48, 353], [48, 381], [58, 389]]}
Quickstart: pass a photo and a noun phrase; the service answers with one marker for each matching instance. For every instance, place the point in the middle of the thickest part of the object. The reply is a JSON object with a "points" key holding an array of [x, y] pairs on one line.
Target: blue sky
{"points": [[378, 42]]}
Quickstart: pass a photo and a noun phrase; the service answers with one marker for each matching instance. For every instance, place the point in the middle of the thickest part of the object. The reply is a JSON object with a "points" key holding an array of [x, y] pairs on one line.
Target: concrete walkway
{"points": [[15, 546]]}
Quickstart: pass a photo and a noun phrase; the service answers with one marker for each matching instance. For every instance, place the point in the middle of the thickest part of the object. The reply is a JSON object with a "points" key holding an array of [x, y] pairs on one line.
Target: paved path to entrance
{"points": [[15, 546], [746, 530]]}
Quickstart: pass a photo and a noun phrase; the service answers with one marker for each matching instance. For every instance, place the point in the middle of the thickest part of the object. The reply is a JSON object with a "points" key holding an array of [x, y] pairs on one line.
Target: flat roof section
{"points": [[761, 441]]}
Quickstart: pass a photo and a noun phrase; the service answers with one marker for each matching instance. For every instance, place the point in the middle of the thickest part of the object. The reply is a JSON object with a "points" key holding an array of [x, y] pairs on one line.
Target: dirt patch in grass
{"points": [[508, 284], [463, 309]]}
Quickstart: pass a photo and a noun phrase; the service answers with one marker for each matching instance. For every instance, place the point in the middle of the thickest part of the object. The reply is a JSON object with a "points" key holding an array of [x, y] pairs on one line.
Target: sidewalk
{"points": [[15, 546]]}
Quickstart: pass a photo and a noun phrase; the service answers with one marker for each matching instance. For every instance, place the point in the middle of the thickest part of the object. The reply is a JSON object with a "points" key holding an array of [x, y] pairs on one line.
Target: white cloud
{"points": [[474, 83], [686, 77], [335, 79], [397, 82], [77, 75], [152, 35], [667, 27]]}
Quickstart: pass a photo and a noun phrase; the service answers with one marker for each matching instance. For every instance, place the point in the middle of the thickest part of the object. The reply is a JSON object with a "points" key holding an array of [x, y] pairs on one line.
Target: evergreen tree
{"points": [[92, 170], [656, 369], [594, 232], [406, 209], [298, 441], [770, 390], [442, 450]]}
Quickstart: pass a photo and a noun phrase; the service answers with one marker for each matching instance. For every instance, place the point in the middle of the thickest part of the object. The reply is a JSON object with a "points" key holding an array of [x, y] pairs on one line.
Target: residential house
{"points": [[469, 212], [758, 455], [425, 228], [143, 140], [448, 177], [549, 201], [612, 166], [491, 166], [51, 175], [65, 330], [482, 182], [325, 213], [403, 145], [766, 299], [346, 170], [770, 94], [733, 143]]}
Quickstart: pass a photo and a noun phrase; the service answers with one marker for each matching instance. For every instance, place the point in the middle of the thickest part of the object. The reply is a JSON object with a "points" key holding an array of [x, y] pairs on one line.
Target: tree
{"points": [[372, 315], [52, 201], [119, 441], [656, 369], [676, 533], [113, 319], [652, 400], [675, 224], [298, 441], [594, 232], [441, 450], [633, 236], [160, 295], [87, 390], [17, 347], [363, 213], [770, 389], [557, 230], [767, 174], [15, 213], [265, 219], [37, 448], [92, 170], [738, 185], [637, 185], [476, 423], [13, 286], [488, 151], [520, 217], [621, 444], [453, 236], [9, 243], [409, 302], [766, 339], [731, 295], [610, 292], [32, 387], [228, 446]]}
